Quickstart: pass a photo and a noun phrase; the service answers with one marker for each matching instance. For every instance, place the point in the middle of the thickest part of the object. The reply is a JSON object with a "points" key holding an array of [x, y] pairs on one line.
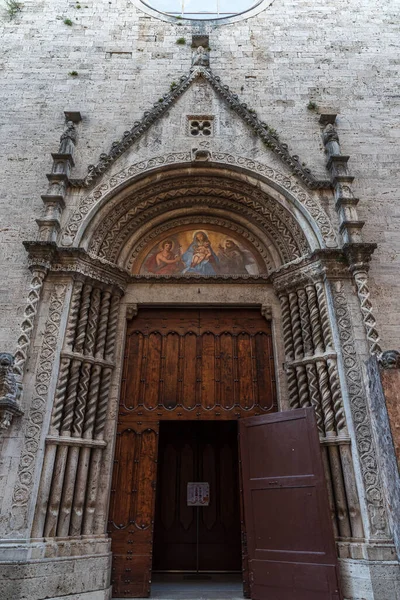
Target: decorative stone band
{"points": [[33, 427], [378, 522], [24, 340], [70, 475], [313, 380], [359, 256]]}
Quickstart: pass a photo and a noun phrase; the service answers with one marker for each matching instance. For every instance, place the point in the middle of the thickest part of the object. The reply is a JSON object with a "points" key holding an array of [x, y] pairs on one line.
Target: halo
{"points": [[200, 231], [161, 244]]}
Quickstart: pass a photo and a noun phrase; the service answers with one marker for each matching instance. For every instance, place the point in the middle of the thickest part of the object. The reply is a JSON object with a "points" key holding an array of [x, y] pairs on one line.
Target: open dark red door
{"points": [[292, 553]]}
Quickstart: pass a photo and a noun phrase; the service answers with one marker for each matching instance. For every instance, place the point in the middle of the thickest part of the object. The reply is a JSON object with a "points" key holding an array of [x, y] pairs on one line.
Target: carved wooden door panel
{"points": [[132, 508], [291, 547], [179, 364], [198, 363]]}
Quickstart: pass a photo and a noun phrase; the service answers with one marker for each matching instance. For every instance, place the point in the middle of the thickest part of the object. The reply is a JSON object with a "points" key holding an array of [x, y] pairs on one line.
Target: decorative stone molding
{"points": [[358, 403], [288, 184], [35, 418], [359, 256], [261, 129], [77, 260], [24, 340], [9, 392], [390, 359]]}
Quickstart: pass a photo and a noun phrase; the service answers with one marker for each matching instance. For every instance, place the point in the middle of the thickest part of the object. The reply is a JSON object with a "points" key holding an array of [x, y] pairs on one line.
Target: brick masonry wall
{"points": [[343, 55]]}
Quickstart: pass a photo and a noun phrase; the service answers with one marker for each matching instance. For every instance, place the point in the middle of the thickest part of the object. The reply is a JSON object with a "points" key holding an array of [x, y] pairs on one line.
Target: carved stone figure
{"points": [[8, 383], [9, 391], [331, 140], [68, 139], [201, 58], [390, 359]]}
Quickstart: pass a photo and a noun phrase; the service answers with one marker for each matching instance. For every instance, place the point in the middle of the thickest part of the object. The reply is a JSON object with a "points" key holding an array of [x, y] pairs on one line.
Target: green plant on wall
{"points": [[12, 8], [181, 41]]}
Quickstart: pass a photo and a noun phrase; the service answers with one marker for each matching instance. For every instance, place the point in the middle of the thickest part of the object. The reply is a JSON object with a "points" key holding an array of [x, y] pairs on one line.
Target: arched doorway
{"points": [[122, 242]]}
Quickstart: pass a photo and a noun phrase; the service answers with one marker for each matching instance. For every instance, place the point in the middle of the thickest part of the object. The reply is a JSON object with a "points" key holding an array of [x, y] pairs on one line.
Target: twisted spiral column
{"points": [[24, 340], [73, 315], [287, 327], [93, 395], [326, 399], [316, 330], [302, 383], [293, 391], [103, 324], [101, 412], [83, 319], [92, 322], [336, 392], [59, 399], [296, 325], [324, 316], [314, 396], [305, 323], [82, 394], [112, 328], [72, 389]]}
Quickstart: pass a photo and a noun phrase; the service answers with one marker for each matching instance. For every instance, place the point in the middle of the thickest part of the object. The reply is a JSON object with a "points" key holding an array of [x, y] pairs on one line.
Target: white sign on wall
{"points": [[198, 493]]}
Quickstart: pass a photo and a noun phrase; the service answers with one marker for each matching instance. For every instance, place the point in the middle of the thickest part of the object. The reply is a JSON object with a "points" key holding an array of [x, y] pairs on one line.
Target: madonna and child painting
{"points": [[199, 252]]}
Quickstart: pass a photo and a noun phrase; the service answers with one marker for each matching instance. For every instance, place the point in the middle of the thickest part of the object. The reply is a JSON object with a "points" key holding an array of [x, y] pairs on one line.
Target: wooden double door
{"points": [[190, 376]]}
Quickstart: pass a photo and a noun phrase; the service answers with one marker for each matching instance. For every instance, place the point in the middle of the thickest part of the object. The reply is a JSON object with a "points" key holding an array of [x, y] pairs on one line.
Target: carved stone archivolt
{"points": [[290, 187], [207, 194]]}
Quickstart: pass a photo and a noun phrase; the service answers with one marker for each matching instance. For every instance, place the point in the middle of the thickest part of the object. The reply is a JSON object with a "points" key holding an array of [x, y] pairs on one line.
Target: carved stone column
{"points": [[313, 380], [70, 475]]}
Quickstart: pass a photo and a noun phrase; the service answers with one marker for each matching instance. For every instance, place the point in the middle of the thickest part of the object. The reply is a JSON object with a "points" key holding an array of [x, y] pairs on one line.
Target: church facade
{"points": [[200, 251]]}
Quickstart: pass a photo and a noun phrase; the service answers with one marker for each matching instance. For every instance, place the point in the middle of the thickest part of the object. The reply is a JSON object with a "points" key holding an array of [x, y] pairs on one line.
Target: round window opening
{"points": [[202, 9]]}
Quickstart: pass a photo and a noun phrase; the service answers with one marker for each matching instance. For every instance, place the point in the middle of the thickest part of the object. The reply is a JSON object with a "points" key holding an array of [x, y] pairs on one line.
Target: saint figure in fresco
{"points": [[235, 260], [200, 257], [166, 261]]}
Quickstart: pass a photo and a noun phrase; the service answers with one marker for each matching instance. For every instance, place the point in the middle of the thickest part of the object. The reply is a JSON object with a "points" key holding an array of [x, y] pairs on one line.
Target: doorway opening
{"points": [[197, 520], [197, 529]]}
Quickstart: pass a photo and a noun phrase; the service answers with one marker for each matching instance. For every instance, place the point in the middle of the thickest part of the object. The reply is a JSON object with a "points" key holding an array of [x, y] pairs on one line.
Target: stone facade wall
{"points": [[343, 56]]}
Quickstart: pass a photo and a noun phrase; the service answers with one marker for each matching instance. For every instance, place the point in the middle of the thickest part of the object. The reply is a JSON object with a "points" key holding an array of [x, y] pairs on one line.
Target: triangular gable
{"points": [[267, 135]]}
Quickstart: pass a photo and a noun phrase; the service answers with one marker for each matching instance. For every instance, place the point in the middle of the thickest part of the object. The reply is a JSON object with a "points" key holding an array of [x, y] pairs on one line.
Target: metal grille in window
{"points": [[198, 127]]}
